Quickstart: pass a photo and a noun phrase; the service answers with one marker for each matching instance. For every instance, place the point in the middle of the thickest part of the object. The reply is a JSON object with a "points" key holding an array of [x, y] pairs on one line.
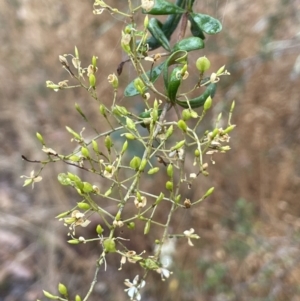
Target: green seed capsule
{"points": [[109, 245], [169, 185], [62, 289], [153, 170], [170, 170], [182, 125]]}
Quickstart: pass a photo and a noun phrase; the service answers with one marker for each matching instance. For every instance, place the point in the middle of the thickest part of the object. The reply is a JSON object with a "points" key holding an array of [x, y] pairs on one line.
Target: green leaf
{"points": [[168, 27], [174, 83], [207, 23], [178, 57], [132, 91], [195, 30], [163, 7], [155, 28], [87, 187], [189, 44]]}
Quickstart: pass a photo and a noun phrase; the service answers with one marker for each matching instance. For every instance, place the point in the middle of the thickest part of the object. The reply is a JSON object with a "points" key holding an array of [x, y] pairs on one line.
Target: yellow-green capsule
{"points": [[143, 165], [169, 185], [83, 206], [109, 245], [108, 142], [182, 125], [209, 191], [92, 80], [203, 64], [99, 229], [153, 170], [208, 103], [40, 138], [50, 296], [178, 145], [170, 170], [124, 147], [147, 227], [78, 298], [62, 289], [159, 199], [85, 152], [135, 162]]}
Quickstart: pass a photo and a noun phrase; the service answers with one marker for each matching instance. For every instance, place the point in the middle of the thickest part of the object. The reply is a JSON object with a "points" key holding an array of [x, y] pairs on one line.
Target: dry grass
{"points": [[249, 249]]}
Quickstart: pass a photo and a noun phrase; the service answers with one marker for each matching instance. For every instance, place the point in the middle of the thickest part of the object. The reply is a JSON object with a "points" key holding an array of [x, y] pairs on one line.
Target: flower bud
{"points": [[229, 129], [146, 21], [94, 61], [130, 124], [147, 227], [153, 170], [108, 192], [135, 162], [50, 296], [177, 199], [170, 170], [143, 165], [202, 64], [78, 298], [102, 110], [182, 125], [76, 53], [221, 70], [169, 185], [207, 103], [169, 131], [99, 229], [62, 289], [129, 136], [178, 145], [209, 192], [186, 114], [232, 106], [139, 86], [124, 147], [40, 138], [131, 225], [74, 158], [85, 152], [92, 80], [83, 206], [74, 241], [108, 143], [95, 146], [78, 109], [159, 199], [197, 153]]}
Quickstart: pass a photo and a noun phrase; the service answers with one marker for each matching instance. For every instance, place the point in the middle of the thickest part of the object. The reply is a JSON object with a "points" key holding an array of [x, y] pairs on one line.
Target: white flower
{"points": [[190, 235], [140, 203], [164, 273], [31, 179], [134, 287]]}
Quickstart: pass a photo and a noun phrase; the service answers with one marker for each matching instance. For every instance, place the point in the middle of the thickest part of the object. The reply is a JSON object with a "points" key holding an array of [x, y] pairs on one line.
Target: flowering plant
{"points": [[168, 131]]}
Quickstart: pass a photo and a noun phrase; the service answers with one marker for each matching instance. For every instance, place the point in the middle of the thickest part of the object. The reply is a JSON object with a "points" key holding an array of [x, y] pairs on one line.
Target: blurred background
{"points": [[249, 227]]}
